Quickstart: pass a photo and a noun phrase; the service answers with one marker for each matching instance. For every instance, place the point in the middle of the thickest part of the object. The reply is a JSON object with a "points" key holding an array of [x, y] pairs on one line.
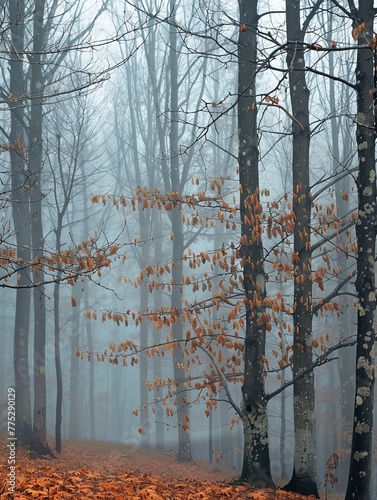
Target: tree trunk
{"points": [[58, 368], [21, 219], [74, 369], [89, 336], [346, 321], [39, 440], [157, 368], [359, 481], [184, 443], [256, 461], [58, 365], [304, 478]]}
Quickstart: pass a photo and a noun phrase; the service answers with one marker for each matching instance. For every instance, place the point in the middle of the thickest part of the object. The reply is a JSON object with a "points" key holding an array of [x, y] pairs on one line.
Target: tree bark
{"points": [[341, 153], [304, 478], [256, 461], [39, 439], [58, 366], [184, 443], [22, 219], [157, 368], [73, 432], [359, 481]]}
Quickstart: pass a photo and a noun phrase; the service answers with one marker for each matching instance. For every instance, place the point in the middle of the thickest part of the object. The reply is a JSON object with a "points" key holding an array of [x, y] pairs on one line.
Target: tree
{"points": [[21, 218], [26, 148], [70, 137], [359, 481], [256, 461], [175, 175], [39, 439], [304, 473]]}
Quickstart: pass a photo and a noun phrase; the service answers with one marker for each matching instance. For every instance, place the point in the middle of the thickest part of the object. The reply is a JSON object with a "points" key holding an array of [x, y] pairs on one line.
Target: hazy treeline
{"points": [[187, 257]]}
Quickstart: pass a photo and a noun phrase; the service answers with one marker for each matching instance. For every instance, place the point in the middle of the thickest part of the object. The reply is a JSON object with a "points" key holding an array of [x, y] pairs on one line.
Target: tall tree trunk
{"points": [[143, 358], [58, 368], [85, 293], [256, 468], [21, 219], [304, 478], [341, 154], [39, 440], [342, 148], [144, 258], [89, 336], [157, 368], [359, 481], [184, 443], [283, 411], [74, 369]]}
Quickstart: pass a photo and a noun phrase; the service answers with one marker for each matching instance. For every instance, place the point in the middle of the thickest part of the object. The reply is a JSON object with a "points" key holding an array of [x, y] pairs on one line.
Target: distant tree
{"points": [[34, 63], [69, 143]]}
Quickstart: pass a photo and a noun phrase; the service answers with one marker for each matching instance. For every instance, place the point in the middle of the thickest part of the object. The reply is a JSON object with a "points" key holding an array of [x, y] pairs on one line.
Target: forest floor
{"points": [[98, 470]]}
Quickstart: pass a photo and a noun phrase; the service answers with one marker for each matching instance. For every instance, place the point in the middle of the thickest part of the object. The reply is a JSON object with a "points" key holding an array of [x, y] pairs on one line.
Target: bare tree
{"points": [[304, 473], [256, 460], [22, 219], [359, 481]]}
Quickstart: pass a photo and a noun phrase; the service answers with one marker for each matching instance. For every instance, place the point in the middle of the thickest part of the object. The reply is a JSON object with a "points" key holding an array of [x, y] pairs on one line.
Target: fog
{"points": [[123, 263]]}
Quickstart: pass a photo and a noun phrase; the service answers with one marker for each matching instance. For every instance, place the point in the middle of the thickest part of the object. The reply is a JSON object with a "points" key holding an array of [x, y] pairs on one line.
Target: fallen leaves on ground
{"points": [[106, 471]]}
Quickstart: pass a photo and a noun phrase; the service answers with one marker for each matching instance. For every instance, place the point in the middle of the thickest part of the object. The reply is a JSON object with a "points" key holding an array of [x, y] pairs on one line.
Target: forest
{"points": [[187, 257]]}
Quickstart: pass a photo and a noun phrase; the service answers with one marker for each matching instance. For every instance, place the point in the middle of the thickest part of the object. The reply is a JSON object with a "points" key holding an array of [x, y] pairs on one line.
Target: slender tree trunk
{"points": [[157, 368], [143, 358], [58, 365], [21, 219], [39, 440], [74, 369], [256, 460], [283, 411], [184, 443], [58, 368], [359, 481], [89, 336], [346, 357], [304, 478], [85, 293]]}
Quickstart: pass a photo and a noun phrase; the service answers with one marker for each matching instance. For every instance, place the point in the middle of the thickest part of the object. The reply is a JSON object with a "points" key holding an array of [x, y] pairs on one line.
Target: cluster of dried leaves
{"points": [[110, 471]]}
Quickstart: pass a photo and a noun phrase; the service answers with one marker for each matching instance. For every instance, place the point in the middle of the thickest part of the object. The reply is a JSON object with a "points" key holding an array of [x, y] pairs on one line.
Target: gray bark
{"points": [[73, 433], [256, 461], [39, 439], [22, 219], [304, 478], [359, 481]]}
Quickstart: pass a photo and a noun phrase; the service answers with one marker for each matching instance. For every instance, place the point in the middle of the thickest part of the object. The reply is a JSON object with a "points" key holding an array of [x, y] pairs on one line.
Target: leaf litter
{"points": [[107, 471]]}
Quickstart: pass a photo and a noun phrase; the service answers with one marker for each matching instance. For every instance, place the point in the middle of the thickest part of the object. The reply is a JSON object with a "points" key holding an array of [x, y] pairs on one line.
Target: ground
{"points": [[97, 470]]}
